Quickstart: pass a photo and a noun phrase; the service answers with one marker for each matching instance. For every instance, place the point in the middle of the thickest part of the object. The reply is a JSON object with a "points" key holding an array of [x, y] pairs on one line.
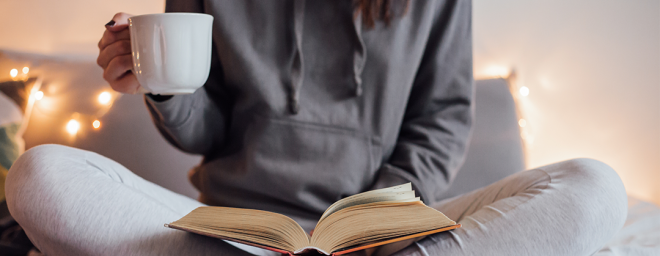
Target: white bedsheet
{"points": [[640, 236]]}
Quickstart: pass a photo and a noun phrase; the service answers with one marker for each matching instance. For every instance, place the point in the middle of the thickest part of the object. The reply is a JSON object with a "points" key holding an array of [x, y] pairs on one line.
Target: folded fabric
{"points": [[10, 122], [14, 101]]}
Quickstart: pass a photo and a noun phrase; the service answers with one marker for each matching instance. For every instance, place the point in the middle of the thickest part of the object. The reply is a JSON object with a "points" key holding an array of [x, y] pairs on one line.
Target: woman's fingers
{"points": [[126, 84], [117, 67], [115, 55], [121, 47], [118, 22], [118, 74], [110, 37], [115, 30]]}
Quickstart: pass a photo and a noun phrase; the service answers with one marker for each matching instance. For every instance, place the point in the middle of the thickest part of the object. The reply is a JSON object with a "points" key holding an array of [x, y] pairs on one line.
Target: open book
{"points": [[351, 224]]}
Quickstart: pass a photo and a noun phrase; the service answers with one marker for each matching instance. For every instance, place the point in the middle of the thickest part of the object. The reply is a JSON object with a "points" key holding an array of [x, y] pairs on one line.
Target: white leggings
{"points": [[75, 202]]}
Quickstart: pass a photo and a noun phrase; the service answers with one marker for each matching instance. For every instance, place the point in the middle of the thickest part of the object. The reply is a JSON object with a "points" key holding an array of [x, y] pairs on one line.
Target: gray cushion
{"points": [[127, 134], [496, 149]]}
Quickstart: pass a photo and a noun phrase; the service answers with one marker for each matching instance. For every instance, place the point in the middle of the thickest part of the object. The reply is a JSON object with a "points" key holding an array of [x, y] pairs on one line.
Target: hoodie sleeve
{"points": [[433, 138], [194, 123]]}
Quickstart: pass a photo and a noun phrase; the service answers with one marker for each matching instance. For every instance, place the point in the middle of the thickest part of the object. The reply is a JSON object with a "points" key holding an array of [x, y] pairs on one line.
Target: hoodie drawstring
{"points": [[359, 55], [297, 69]]}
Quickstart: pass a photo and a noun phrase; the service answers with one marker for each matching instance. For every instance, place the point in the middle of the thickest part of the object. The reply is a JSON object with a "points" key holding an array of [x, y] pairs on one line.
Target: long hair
{"points": [[384, 10]]}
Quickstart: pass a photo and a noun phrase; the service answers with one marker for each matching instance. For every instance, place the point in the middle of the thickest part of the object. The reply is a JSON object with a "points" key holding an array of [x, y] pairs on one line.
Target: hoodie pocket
{"points": [[294, 167]]}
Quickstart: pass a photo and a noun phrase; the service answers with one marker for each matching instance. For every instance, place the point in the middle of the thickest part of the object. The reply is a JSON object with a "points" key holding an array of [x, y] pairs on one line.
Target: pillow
{"points": [[71, 87], [15, 106], [496, 149]]}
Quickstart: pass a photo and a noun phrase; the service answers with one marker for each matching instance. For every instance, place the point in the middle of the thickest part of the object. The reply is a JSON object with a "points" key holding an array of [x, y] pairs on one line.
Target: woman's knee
{"points": [[588, 169], [32, 174], [591, 176], [593, 194]]}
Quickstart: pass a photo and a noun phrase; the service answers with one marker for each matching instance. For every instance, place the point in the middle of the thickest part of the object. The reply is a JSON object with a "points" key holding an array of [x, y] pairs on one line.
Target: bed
{"points": [[128, 136], [641, 233]]}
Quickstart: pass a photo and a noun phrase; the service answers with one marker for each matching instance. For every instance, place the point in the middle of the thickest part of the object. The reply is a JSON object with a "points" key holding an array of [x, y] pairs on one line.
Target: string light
{"points": [[104, 98], [38, 95], [522, 122], [497, 71], [524, 91], [73, 126], [96, 124]]}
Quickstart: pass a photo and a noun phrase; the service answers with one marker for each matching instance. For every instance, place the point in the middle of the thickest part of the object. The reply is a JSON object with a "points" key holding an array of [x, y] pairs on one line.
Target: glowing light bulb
{"points": [[72, 126], [104, 98], [96, 124], [13, 72], [38, 95], [524, 91], [26, 70], [497, 71], [522, 122]]}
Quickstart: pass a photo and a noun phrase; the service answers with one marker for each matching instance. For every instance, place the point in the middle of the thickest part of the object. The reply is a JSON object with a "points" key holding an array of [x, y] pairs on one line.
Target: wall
{"points": [[593, 72], [592, 68], [71, 27]]}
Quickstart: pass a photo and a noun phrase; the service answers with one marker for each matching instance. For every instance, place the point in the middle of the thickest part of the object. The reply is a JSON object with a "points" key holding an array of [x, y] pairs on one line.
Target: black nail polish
{"points": [[111, 23]]}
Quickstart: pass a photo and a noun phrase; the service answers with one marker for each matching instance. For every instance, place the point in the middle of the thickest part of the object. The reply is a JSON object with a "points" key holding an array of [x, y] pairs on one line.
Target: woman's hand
{"points": [[115, 55]]}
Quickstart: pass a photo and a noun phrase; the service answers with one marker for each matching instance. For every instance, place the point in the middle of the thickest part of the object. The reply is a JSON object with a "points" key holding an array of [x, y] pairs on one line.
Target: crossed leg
{"points": [[568, 208], [76, 202]]}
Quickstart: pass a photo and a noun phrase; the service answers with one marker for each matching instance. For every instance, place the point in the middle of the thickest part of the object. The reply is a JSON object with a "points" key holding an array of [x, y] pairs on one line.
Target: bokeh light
{"points": [[497, 71], [38, 95], [104, 98], [72, 127], [96, 124]]}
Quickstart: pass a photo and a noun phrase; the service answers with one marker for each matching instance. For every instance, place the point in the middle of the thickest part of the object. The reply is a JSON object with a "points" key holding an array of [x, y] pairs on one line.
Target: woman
{"points": [[308, 102]]}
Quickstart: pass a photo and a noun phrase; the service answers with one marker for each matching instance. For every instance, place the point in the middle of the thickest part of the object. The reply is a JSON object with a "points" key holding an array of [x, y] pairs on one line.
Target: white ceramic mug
{"points": [[171, 51]]}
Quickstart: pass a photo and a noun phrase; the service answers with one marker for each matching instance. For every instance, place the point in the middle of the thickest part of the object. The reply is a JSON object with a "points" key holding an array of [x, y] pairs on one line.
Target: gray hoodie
{"points": [[305, 105]]}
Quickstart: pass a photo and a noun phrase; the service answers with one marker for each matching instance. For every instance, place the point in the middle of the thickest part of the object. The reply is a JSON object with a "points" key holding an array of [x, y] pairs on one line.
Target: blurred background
{"points": [[587, 77]]}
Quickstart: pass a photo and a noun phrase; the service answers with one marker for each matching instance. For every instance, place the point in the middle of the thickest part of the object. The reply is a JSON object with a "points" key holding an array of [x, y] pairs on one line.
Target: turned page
{"points": [[245, 225], [376, 222], [397, 193]]}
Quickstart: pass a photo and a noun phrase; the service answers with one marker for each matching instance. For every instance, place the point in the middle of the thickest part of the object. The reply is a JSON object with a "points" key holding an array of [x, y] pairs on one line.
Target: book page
{"points": [[396, 193], [376, 222], [249, 226]]}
